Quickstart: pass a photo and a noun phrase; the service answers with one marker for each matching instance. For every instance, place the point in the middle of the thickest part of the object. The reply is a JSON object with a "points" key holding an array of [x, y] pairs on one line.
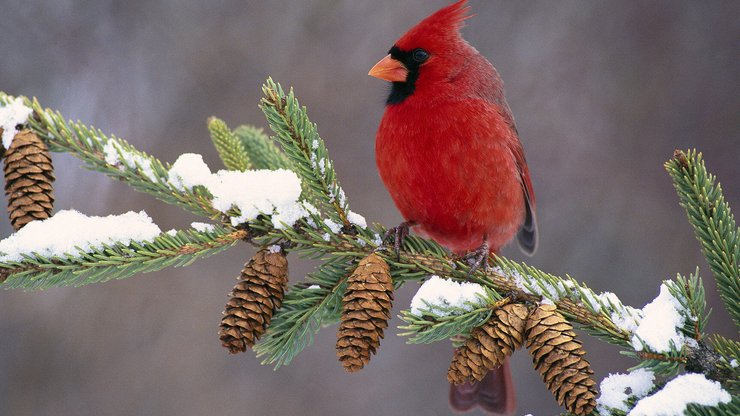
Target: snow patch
{"points": [[12, 114], [659, 327], [624, 317], [188, 171], [616, 389], [322, 166], [252, 192], [678, 393], [333, 226], [70, 232], [115, 155], [377, 240], [530, 285], [202, 227], [356, 219], [546, 301], [438, 292], [272, 192]]}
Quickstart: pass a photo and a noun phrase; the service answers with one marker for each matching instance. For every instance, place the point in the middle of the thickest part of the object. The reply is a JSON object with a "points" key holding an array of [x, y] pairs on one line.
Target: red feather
{"points": [[448, 151]]}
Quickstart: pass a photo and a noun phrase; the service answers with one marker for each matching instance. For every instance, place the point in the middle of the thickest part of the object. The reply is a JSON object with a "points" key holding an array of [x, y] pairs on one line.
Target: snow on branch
{"points": [[71, 249], [443, 296], [243, 195], [618, 389], [301, 142], [69, 232], [13, 113], [680, 392]]}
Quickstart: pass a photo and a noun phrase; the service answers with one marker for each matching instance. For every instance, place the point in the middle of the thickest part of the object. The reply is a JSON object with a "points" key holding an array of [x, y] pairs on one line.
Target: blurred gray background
{"points": [[603, 93]]}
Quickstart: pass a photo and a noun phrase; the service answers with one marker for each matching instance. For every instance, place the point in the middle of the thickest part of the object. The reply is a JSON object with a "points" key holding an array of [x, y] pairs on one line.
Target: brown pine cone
{"points": [[559, 357], [29, 175], [259, 292], [489, 344], [365, 313]]}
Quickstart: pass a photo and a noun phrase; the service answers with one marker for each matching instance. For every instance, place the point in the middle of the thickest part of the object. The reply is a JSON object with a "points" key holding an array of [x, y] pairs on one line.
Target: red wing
{"points": [[527, 237]]}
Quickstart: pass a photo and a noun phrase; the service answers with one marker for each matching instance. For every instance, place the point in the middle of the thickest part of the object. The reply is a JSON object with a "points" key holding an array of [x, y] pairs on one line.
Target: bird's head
{"points": [[430, 54]]}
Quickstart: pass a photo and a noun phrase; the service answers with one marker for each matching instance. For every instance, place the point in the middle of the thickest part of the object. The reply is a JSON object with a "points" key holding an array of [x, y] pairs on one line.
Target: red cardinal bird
{"points": [[448, 151]]}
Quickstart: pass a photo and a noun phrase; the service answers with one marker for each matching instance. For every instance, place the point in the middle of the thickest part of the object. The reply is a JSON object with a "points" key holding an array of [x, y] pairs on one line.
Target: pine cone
{"points": [[255, 298], [28, 179], [366, 311], [489, 344], [559, 357]]}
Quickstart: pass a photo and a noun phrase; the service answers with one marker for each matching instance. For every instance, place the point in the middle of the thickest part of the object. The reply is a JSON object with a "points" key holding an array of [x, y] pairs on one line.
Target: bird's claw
{"points": [[398, 234], [477, 258]]}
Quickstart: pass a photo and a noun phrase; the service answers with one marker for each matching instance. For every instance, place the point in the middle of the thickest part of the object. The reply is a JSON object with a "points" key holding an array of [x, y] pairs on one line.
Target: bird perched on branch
{"points": [[449, 153]]}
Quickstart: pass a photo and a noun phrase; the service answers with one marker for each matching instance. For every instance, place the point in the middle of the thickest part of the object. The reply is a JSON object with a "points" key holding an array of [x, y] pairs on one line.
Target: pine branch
{"points": [[729, 363], [262, 151], [729, 409], [114, 157], [713, 223], [729, 348], [331, 234], [300, 140], [119, 261], [229, 147], [420, 258], [666, 364], [317, 237], [690, 293], [306, 308], [437, 323]]}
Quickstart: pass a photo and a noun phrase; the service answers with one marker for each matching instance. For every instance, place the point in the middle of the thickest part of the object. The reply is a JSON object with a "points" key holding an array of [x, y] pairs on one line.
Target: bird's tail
{"points": [[494, 394]]}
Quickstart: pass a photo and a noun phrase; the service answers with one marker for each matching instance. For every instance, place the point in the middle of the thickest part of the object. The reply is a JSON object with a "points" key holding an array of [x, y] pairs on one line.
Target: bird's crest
{"points": [[444, 24]]}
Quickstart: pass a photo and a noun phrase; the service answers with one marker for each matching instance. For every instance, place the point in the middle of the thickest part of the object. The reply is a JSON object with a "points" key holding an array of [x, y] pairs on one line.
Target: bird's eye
{"points": [[419, 55]]}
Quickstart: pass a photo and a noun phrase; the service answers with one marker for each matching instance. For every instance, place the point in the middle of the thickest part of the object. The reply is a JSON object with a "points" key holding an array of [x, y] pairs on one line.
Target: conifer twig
{"points": [[713, 223], [300, 140], [117, 261]]}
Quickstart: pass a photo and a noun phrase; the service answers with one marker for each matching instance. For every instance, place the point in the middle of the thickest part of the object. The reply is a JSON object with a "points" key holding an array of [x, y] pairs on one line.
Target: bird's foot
{"points": [[398, 234], [477, 258]]}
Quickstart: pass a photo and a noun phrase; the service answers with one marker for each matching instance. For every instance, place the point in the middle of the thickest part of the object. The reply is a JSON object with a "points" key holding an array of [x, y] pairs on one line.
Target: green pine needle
{"points": [[137, 169], [262, 151], [690, 294], [713, 223], [300, 140], [229, 147], [729, 409], [305, 310], [117, 261], [429, 327]]}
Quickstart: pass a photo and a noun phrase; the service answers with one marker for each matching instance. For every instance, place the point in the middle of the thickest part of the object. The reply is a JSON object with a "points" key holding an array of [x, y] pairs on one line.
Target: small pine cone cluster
{"points": [[489, 344], [559, 357], [29, 175], [259, 292], [365, 312]]}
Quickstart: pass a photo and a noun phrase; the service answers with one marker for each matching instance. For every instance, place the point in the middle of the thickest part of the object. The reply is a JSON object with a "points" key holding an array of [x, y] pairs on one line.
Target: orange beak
{"points": [[389, 69]]}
